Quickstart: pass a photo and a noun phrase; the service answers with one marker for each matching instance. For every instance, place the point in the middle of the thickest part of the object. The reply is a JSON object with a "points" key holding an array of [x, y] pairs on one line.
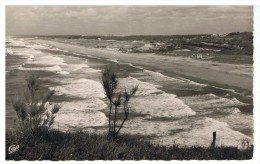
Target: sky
{"points": [[127, 20]]}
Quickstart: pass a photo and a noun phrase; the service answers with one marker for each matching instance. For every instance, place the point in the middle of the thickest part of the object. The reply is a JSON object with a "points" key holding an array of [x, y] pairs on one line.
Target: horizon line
{"points": [[112, 35]]}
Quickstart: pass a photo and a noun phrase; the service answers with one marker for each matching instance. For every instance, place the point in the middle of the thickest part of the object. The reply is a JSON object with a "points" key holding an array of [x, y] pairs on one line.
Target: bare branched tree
{"points": [[109, 84], [127, 97], [116, 100]]}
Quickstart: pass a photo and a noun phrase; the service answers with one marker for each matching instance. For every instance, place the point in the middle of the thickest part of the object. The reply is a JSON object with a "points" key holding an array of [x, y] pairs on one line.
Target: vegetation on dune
{"points": [[235, 43], [55, 145], [35, 109]]}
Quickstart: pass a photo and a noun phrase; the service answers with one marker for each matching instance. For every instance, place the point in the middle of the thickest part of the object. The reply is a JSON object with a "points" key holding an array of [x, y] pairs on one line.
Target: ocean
{"points": [[167, 108]]}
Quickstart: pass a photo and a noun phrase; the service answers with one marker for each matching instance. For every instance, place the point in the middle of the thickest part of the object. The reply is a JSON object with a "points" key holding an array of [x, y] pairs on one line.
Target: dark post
{"points": [[214, 139]]}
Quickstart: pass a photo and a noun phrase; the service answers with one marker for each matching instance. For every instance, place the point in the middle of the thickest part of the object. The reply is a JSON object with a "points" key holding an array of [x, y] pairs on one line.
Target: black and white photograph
{"points": [[97, 82]]}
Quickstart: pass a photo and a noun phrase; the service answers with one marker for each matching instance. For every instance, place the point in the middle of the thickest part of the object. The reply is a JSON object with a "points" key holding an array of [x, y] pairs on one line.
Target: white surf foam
{"points": [[190, 82], [140, 126], [244, 122], [211, 101], [64, 72], [153, 101], [17, 42], [113, 60], [9, 51], [201, 135], [24, 54], [15, 66], [231, 110], [57, 49], [185, 50], [138, 67], [130, 64], [144, 88], [91, 104], [158, 78], [51, 68], [83, 88], [91, 70], [161, 105], [76, 54], [37, 46], [94, 57], [75, 67], [69, 121], [47, 60]]}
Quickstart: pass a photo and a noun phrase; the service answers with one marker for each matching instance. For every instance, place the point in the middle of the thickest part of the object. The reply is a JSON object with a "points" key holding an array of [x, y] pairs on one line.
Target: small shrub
{"points": [[35, 109]]}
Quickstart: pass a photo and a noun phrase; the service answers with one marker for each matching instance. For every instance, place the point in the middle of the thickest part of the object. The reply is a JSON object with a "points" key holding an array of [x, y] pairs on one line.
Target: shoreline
{"points": [[219, 76], [170, 88]]}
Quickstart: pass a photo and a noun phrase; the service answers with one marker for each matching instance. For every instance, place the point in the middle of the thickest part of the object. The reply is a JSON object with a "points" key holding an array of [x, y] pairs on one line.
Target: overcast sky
{"points": [[127, 20]]}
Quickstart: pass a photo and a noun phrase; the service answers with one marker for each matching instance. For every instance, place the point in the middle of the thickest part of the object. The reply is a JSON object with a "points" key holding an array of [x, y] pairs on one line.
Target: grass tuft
{"points": [[46, 144]]}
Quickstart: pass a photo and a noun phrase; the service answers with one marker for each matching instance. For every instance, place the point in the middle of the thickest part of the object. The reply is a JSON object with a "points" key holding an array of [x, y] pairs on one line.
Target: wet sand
{"points": [[239, 77]]}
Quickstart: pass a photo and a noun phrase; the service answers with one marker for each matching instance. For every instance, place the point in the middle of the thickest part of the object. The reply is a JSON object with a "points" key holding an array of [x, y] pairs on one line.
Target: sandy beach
{"points": [[235, 76]]}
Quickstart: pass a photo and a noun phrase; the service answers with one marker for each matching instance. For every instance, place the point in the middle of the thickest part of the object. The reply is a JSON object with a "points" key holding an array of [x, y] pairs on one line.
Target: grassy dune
{"points": [[56, 145]]}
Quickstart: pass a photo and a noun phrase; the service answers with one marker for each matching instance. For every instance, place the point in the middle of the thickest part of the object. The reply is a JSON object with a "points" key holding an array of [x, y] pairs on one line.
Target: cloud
{"points": [[119, 20]]}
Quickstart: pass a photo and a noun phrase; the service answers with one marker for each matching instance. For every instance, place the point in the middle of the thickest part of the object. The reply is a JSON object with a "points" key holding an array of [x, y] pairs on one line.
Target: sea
{"points": [[166, 110]]}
